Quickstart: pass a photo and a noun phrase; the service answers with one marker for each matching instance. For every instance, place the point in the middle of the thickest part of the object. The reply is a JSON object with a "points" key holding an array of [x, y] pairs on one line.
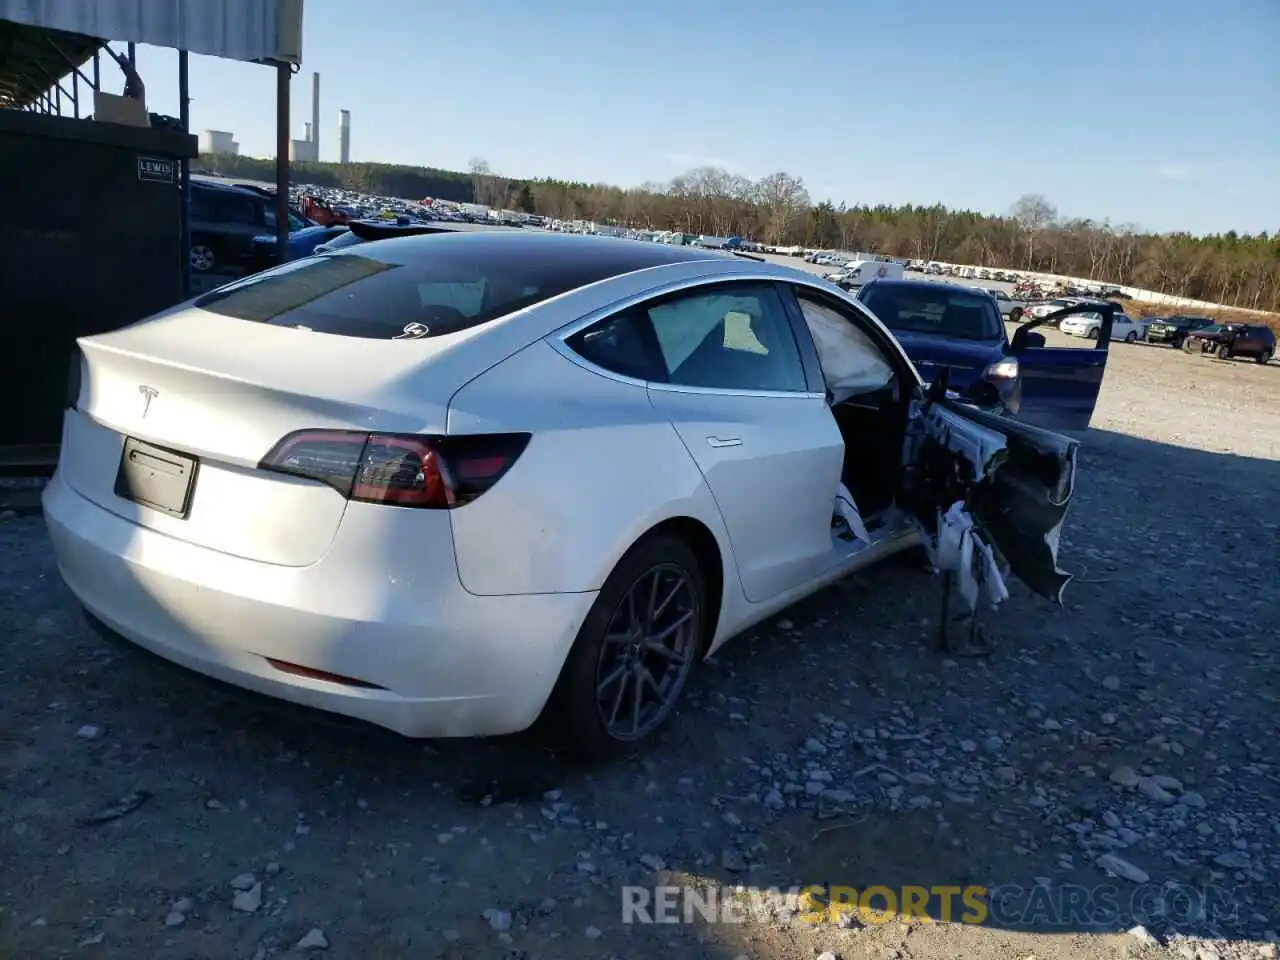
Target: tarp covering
{"points": [[252, 30]]}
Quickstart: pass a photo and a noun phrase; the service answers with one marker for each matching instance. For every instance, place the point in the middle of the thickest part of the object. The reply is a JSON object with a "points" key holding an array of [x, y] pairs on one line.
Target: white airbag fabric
{"points": [[851, 362], [847, 512], [958, 550]]}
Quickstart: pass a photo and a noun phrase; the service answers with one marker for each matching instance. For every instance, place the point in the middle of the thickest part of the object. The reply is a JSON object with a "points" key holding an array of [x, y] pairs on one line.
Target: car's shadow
{"points": [[239, 745]]}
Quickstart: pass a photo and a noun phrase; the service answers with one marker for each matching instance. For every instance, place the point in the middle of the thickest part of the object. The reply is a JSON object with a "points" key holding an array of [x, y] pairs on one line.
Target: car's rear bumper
{"points": [[434, 660]]}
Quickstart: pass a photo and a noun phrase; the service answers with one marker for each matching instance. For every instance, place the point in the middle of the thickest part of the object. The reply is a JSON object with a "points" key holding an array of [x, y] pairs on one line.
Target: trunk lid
{"points": [[225, 391]]}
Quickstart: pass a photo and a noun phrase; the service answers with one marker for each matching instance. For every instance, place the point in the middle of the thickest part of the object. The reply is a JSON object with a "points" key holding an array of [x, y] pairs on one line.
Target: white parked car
{"points": [[1089, 325], [441, 483], [1043, 309]]}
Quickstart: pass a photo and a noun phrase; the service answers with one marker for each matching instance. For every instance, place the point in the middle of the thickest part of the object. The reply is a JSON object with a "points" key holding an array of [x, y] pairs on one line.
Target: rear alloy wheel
{"points": [[1015, 314], [203, 258], [1224, 352], [635, 650], [1189, 346], [1264, 356], [1093, 333]]}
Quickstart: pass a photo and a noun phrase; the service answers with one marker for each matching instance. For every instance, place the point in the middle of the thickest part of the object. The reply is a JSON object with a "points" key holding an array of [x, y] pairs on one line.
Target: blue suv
{"points": [[957, 328]]}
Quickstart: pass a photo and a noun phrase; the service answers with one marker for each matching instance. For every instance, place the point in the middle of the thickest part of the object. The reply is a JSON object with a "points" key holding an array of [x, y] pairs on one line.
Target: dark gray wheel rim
{"points": [[648, 651], [201, 257]]}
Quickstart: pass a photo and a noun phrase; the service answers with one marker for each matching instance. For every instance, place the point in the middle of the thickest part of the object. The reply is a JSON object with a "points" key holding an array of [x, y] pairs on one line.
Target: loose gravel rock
{"points": [[1125, 743]]}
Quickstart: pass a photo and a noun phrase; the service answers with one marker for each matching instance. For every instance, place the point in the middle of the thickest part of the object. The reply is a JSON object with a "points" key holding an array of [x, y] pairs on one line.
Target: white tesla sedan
{"points": [[442, 483]]}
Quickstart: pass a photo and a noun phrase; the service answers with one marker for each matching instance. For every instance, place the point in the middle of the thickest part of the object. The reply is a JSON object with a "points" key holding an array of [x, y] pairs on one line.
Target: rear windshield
{"points": [[384, 295], [951, 313]]}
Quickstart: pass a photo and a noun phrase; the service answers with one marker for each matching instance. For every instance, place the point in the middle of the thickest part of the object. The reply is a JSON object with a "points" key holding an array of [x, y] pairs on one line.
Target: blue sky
{"points": [[1160, 113]]}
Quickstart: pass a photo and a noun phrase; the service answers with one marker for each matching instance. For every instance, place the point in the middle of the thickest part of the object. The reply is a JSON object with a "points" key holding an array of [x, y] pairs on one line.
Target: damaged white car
{"points": [[447, 484]]}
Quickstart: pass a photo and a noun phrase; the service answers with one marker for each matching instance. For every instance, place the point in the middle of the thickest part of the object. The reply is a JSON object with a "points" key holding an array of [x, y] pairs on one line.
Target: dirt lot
{"points": [[1133, 731]]}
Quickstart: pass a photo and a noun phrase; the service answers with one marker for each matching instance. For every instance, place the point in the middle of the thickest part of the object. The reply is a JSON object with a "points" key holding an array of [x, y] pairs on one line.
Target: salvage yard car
{"points": [[1174, 330], [1255, 341], [959, 328], [1089, 325], [447, 483]]}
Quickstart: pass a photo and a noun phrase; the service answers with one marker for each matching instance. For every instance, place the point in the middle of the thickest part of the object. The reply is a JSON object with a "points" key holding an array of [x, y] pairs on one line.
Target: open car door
{"points": [[1010, 481], [1060, 384]]}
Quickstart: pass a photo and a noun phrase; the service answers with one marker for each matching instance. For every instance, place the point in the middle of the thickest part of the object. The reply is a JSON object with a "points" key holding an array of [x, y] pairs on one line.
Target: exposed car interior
{"points": [[739, 350], [868, 403]]}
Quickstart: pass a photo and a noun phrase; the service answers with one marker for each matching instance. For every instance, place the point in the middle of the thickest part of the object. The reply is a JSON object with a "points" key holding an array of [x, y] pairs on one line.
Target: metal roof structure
{"points": [[34, 60], [43, 42], [257, 31]]}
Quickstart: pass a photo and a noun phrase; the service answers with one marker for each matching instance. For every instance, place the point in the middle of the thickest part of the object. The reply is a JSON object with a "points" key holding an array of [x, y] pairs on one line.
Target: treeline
{"points": [[1240, 270]]}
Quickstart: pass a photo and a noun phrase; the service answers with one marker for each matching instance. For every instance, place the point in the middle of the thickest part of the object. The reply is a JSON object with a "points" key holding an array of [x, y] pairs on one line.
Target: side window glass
{"points": [[622, 344], [728, 337]]}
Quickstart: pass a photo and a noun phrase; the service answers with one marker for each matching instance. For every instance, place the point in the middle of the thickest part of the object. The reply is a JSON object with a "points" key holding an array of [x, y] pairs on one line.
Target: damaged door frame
{"points": [[1012, 483]]}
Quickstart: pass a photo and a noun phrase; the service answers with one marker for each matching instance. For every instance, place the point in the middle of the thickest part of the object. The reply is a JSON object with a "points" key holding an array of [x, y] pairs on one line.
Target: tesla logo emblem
{"points": [[148, 394], [413, 331]]}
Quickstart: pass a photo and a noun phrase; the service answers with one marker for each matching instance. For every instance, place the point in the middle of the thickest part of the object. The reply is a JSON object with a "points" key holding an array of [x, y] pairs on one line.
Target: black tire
{"points": [[1264, 356], [1093, 333], [1177, 342], [1015, 314], [1131, 337], [575, 705], [1225, 352], [1188, 346]]}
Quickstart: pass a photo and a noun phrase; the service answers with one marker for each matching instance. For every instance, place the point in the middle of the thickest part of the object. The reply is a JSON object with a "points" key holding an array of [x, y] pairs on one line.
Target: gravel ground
{"points": [[1121, 751]]}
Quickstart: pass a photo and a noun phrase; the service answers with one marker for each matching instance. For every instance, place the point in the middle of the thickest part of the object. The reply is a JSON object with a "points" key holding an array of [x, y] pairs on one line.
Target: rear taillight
{"points": [[73, 378], [407, 470]]}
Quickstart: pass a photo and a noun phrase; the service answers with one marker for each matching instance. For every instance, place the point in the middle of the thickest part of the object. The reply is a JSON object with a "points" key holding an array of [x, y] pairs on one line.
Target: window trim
{"points": [[813, 374], [559, 340]]}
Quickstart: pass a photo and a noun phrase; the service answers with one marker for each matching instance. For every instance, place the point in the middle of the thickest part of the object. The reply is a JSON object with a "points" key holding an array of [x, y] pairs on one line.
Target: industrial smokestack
{"points": [[314, 136], [344, 135], [306, 132]]}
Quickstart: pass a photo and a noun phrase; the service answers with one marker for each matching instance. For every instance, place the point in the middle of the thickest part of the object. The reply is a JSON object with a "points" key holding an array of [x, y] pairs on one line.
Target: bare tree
{"points": [[480, 174], [1034, 214], [782, 199], [487, 187]]}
